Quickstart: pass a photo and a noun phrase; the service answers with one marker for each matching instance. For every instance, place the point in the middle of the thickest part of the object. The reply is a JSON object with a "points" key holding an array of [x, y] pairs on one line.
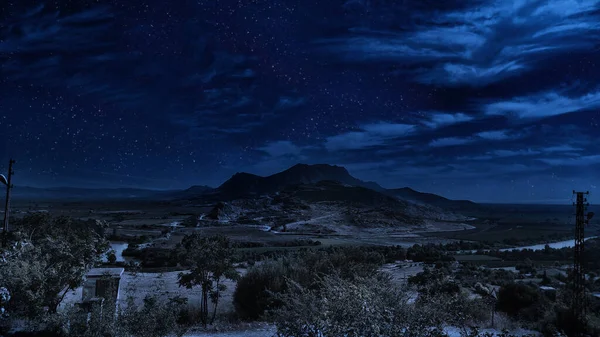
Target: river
{"points": [[118, 247], [555, 245]]}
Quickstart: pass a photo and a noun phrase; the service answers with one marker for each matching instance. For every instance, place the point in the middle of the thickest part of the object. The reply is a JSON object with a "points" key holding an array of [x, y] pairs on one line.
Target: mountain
{"points": [[246, 184], [243, 185], [75, 193], [330, 207], [409, 194], [334, 191]]}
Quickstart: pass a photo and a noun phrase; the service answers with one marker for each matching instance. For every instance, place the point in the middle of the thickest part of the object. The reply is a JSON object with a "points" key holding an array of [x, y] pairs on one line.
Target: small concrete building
{"points": [[102, 283]]}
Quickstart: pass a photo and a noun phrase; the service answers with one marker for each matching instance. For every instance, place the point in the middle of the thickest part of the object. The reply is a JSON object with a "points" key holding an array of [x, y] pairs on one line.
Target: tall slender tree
{"points": [[210, 260]]}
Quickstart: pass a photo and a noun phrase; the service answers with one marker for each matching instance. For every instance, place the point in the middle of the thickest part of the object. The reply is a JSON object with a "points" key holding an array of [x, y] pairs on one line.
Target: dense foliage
{"points": [[48, 257], [252, 296]]}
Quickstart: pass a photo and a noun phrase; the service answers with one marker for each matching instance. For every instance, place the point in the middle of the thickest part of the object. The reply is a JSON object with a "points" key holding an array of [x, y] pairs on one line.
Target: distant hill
{"points": [[246, 184], [75, 193], [249, 185], [409, 194]]}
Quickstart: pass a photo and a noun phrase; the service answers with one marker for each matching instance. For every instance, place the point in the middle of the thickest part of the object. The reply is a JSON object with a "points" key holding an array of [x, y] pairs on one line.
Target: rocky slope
{"points": [[327, 207]]}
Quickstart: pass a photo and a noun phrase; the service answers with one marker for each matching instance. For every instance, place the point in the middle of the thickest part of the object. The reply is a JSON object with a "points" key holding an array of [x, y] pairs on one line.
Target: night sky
{"points": [[483, 100]]}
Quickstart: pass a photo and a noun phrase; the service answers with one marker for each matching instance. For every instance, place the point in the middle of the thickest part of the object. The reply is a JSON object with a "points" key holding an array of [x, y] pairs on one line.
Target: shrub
{"points": [[112, 258], [371, 306], [253, 294], [251, 298], [522, 301]]}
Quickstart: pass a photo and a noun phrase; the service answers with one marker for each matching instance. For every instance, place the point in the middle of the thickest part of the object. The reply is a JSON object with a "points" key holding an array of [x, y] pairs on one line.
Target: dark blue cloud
{"points": [[545, 104], [483, 43]]}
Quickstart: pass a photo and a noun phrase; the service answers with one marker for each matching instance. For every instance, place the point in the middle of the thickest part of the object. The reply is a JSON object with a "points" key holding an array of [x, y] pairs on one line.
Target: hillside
{"points": [[245, 184], [329, 207], [409, 194]]}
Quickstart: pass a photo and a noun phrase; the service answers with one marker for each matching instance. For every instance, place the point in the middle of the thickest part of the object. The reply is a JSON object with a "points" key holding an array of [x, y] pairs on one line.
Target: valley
{"points": [[321, 204], [303, 209]]}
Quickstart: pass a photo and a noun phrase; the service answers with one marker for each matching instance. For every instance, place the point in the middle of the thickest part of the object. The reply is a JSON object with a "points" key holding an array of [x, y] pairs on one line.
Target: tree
{"points": [[211, 261], [111, 257], [520, 300], [48, 257]]}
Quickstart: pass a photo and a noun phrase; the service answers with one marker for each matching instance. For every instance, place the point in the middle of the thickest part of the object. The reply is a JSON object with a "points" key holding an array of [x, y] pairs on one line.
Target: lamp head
{"points": [[3, 179]]}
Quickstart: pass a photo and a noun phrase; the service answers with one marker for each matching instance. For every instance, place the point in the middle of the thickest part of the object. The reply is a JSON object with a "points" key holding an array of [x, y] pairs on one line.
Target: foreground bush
{"points": [[251, 298], [371, 306], [155, 318], [522, 301], [253, 293], [362, 307]]}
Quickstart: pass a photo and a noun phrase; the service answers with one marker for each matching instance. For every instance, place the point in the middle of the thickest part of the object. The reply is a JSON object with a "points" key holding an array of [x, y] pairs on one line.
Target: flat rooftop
{"points": [[99, 272]]}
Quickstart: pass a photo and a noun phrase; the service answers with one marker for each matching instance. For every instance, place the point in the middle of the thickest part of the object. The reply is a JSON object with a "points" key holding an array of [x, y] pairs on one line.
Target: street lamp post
{"points": [[9, 186]]}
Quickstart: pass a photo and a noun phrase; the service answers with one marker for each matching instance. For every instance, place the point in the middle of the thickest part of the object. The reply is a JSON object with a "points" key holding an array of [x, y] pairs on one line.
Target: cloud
{"points": [[454, 74], [499, 153], [438, 120], [290, 102], [369, 135], [572, 161], [515, 153], [280, 148], [562, 148], [481, 42], [450, 141], [497, 135], [543, 105]]}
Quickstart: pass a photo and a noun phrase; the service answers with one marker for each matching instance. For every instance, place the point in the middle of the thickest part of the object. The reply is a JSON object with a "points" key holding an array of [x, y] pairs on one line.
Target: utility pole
{"points": [[9, 186], [579, 298]]}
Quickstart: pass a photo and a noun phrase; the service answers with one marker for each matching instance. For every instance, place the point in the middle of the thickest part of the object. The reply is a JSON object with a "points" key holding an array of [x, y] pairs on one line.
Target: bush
{"points": [[522, 301], [251, 297], [112, 258], [253, 294], [371, 306]]}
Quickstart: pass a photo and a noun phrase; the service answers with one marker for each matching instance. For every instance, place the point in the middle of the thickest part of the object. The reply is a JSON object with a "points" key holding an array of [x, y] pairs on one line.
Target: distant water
{"points": [[555, 245], [118, 247]]}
